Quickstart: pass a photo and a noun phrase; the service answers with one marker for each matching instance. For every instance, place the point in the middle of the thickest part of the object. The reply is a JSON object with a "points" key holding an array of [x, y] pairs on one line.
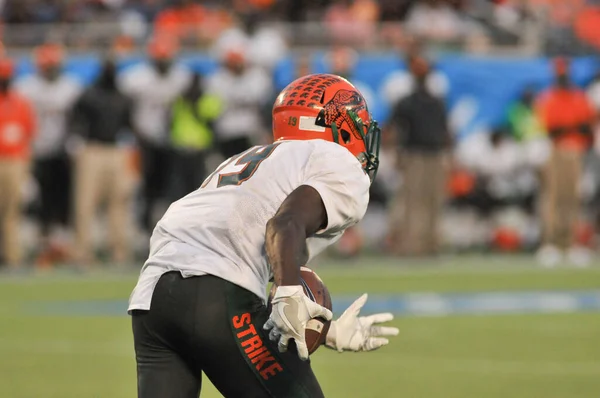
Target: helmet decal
{"points": [[336, 110]]}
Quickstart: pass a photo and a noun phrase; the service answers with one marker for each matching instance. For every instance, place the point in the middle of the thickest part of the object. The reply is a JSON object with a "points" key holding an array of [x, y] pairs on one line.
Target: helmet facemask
{"points": [[371, 136]]}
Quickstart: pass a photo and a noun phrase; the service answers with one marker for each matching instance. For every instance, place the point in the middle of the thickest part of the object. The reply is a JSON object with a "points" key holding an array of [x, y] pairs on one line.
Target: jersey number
{"points": [[250, 160]]}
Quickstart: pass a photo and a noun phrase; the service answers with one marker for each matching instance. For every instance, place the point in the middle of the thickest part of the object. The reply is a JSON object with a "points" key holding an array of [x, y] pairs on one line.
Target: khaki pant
{"points": [[12, 176], [102, 173], [560, 199], [417, 208]]}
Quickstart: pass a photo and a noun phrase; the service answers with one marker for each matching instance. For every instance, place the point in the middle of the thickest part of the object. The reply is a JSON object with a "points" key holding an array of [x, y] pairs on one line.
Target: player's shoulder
{"points": [[318, 149], [332, 152], [320, 157], [312, 147]]}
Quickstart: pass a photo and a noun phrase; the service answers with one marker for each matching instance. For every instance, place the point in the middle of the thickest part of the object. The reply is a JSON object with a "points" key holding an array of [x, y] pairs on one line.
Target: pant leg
{"points": [[234, 146], [12, 176], [397, 209], [188, 173], [415, 208], [197, 171], [120, 183], [156, 167], [435, 183], [569, 198], [43, 171], [63, 190], [560, 197], [89, 189], [161, 372], [149, 188]]}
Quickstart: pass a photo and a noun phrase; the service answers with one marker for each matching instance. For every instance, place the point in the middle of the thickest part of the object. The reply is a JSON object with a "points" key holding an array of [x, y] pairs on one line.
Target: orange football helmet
{"points": [[328, 107]]}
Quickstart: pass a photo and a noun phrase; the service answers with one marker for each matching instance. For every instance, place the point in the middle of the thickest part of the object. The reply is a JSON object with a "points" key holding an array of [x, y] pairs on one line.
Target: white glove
{"points": [[291, 311], [353, 333]]}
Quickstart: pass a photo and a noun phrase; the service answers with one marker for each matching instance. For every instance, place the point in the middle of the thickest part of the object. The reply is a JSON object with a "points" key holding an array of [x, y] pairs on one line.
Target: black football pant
{"points": [[188, 172], [156, 164], [234, 146], [207, 325], [53, 175]]}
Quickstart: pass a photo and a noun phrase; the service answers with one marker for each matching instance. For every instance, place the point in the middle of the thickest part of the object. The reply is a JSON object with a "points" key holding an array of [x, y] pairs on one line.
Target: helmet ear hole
{"points": [[345, 136]]}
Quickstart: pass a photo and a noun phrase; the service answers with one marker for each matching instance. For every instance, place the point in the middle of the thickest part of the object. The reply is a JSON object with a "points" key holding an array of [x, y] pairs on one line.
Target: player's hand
{"points": [[292, 309], [353, 333]]}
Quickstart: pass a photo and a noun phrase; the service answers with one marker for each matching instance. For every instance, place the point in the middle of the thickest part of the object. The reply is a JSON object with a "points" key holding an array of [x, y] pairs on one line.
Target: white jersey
{"points": [[152, 95], [242, 96], [52, 101], [219, 229]]}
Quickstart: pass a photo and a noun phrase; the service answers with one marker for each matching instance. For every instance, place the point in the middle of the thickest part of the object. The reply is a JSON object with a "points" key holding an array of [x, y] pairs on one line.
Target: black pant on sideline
{"points": [[188, 173], [231, 147], [155, 176], [206, 324], [53, 175]]}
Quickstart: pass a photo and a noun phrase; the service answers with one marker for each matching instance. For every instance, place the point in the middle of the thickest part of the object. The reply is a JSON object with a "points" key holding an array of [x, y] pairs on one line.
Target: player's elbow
{"points": [[284, 225]]}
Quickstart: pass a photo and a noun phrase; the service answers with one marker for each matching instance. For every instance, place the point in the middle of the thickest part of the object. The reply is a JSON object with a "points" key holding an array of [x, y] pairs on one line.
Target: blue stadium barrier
{"points": [[489, 84]]}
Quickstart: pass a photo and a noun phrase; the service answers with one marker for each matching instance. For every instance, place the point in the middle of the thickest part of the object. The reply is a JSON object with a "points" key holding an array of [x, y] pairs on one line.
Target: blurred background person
{"points": [[523, 119], [102, 118], [567, 115], [423, 138], [153, 87], [192, 136], [262, 39], [243, 89], [17, 126], [53, 94], [505, 185], [401, 83]]}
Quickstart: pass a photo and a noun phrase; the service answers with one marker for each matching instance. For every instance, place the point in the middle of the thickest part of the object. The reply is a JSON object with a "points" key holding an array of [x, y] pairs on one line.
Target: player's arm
{"points": [[301, 215]]}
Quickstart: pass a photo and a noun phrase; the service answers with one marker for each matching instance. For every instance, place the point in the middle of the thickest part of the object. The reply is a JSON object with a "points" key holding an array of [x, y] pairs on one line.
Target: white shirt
{"points": [[52, 102], [221, 230], [400, 84], [265, 48], [242, 96], [152, 95]]}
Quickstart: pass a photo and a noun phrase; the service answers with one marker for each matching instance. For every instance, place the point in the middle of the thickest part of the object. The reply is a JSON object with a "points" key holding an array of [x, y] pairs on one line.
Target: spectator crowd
{"points": [[568, 26]]}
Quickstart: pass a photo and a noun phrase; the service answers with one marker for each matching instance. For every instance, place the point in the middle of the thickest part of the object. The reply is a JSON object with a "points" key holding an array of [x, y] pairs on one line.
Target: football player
{"points": [[199, 305]]}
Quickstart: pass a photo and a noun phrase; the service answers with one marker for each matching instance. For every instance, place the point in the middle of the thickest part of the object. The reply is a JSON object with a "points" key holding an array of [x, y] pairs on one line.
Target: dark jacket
{"points": [[421, 121], [102, 114]]}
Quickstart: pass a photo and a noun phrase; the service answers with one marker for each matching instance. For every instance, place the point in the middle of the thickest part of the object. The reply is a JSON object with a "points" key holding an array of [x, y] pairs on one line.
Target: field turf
{"points": [[64, 335]]}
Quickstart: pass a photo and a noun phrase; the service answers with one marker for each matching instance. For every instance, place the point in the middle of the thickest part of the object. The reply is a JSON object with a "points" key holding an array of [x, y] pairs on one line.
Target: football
{"points": [[315, 289]]}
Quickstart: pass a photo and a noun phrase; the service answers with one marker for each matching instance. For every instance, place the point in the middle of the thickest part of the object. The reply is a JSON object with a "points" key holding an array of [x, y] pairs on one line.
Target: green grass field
{"points": [[50, 355]]}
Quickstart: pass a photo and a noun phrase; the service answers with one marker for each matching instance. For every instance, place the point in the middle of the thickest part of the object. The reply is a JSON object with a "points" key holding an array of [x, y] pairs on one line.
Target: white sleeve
{"points": [[341, 182], [130, 81]]}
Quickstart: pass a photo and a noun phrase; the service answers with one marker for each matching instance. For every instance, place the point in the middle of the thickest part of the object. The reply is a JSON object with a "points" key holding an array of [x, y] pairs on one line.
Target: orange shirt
{"points": [[179, 22], [17, 123], [566, 108]]}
